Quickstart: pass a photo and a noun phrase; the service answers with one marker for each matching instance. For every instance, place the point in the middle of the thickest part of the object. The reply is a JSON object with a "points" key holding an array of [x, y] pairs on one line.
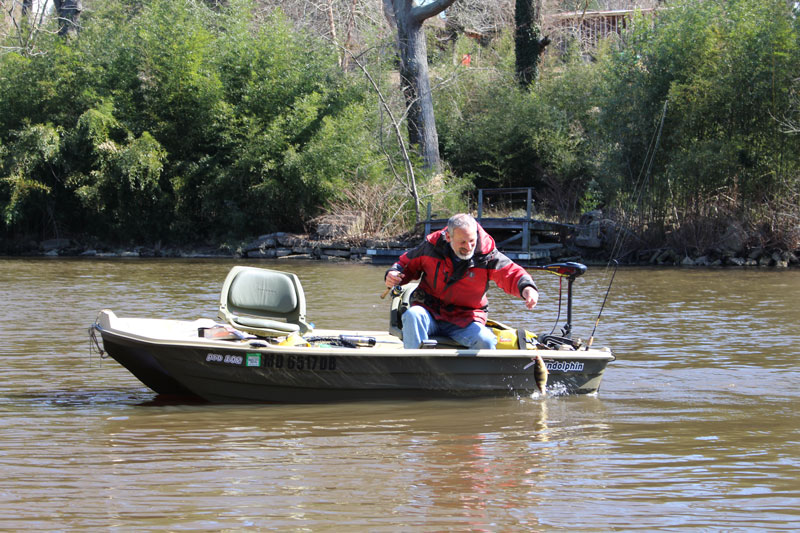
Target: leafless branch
{"points": [[411, 184]]}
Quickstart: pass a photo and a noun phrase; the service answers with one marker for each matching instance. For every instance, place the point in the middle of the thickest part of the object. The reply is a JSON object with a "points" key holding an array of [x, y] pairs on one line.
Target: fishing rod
{"points": [[644, 176], [603, 306]]}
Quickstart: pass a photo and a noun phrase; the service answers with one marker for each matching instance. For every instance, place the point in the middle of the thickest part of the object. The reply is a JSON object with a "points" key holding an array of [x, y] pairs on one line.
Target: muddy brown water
{"points": [[695, 426]]}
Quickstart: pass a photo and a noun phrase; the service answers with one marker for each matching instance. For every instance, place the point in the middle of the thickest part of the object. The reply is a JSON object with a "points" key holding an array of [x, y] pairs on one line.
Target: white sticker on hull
{"points": [[228, 359]]}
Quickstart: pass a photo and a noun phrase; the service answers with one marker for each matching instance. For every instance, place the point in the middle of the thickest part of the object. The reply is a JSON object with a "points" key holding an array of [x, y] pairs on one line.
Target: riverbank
{"points": [[589, 247], [595, 240]]}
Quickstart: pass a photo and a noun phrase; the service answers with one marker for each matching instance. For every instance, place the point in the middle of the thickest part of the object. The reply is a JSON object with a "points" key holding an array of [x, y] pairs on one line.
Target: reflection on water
{"points": [[694, 427]]}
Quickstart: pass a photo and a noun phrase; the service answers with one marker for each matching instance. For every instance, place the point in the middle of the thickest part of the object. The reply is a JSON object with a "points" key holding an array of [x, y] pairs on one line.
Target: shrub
{"points": [[167, 120], [724, 72]]}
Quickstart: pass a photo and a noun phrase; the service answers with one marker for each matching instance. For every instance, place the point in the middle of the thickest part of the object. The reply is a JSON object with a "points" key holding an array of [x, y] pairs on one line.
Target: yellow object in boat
{"points": [[508, 338], [295, 339]]}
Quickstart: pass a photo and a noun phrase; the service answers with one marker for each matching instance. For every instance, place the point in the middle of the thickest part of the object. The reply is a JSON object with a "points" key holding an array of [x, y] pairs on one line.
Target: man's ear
{"points": [[446, 235]]}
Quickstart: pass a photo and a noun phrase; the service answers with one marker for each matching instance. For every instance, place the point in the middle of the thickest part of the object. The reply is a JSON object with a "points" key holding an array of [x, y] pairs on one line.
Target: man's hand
{"points": [[530, 295], [393, 278]]}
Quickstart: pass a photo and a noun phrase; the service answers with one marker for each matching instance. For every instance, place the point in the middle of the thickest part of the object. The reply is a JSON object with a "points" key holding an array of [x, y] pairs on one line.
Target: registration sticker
{"points": [[253, 359]]}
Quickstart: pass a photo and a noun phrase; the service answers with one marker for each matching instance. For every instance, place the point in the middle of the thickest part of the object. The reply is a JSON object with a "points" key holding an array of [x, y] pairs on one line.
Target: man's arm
{"points": [[514, 279]]}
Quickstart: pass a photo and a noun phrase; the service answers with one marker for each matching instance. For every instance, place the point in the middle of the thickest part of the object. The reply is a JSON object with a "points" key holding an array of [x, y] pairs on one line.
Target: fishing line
{"points": [[560, 297], [641, 182], [644, 177]]}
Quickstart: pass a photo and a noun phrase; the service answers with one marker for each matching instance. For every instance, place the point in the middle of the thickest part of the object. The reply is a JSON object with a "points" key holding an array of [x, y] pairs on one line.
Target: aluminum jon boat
{"points": [[262, 349]]}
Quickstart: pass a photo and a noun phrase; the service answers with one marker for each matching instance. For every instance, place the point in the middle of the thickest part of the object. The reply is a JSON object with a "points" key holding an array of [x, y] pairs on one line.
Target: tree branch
{"points": [[412, 182], [431, 9]]}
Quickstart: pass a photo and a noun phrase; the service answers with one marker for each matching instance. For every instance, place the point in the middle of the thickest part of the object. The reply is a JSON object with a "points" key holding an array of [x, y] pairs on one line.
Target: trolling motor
{"points": [[571, 271]]}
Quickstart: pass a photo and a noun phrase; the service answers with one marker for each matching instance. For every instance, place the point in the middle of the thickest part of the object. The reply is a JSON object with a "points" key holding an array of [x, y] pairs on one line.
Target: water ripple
{"points": [[695, 426]]}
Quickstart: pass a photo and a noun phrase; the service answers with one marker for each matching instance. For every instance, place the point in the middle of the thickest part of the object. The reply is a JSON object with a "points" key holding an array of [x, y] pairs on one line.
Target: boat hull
{"points": [[138, 358], [255, 371]]}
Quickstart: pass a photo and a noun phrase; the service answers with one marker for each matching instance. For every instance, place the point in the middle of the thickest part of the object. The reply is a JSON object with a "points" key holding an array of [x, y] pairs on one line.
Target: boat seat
{"points": [[263, 302], [399, 306]]}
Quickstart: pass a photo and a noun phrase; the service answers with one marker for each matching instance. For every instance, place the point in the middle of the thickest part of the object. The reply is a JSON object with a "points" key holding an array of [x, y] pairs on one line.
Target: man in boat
{"points": [[454, 266]]}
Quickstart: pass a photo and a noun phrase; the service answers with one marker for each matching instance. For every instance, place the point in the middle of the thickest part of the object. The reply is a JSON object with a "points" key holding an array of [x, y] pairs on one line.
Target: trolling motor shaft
{"points": [[571, 271]]}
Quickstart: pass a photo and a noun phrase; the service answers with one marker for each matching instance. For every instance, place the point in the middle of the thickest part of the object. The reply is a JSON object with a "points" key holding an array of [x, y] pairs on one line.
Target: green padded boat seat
{"points": [[264, 302], [262, 323]]}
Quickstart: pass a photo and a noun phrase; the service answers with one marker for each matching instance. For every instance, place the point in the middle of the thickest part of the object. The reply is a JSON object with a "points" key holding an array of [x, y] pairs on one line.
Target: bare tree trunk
{"points": [[331, 21], [414, 75], [68, 11]]}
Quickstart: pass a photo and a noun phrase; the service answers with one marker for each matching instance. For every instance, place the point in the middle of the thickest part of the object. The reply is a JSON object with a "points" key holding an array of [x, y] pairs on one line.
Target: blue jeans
{"points": [[419, 325]]}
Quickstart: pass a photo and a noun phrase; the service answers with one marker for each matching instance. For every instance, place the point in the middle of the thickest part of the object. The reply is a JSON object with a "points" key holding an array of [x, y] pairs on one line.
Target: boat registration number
{"points": [[275, 360], [300, 362]]}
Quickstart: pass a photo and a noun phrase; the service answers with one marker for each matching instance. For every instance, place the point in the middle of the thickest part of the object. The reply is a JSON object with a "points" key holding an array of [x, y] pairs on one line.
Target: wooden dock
{"points": [[527, 241], [524, 239]]}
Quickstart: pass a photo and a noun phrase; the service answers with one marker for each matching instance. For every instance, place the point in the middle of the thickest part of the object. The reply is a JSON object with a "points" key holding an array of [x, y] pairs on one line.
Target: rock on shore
{"points": [[594, 240]]}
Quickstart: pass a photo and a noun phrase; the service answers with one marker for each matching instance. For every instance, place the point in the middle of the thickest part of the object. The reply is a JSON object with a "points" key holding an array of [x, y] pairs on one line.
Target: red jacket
{"points": [[454, 290]]}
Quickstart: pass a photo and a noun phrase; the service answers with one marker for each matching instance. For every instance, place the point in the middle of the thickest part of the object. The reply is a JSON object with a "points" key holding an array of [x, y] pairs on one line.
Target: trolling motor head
{"points": [[571, 271], [568, 269]]}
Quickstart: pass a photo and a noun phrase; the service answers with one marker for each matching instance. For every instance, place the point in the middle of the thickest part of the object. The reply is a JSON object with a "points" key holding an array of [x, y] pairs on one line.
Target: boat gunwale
{"points": [[361, 351]]}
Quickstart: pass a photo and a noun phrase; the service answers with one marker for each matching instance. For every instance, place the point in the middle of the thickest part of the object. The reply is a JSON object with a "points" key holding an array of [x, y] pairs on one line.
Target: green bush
{"points": [[725, 71], [27, 174], [167, 120], [504, 137]]}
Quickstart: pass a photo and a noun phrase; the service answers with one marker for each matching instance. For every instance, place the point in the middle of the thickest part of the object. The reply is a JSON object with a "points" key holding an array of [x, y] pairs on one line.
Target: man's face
{"points": [[463, 242]]}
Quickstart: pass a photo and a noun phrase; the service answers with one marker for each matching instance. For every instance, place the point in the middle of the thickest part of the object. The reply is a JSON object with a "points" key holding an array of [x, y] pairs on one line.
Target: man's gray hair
{"points": [[461, 220]]}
